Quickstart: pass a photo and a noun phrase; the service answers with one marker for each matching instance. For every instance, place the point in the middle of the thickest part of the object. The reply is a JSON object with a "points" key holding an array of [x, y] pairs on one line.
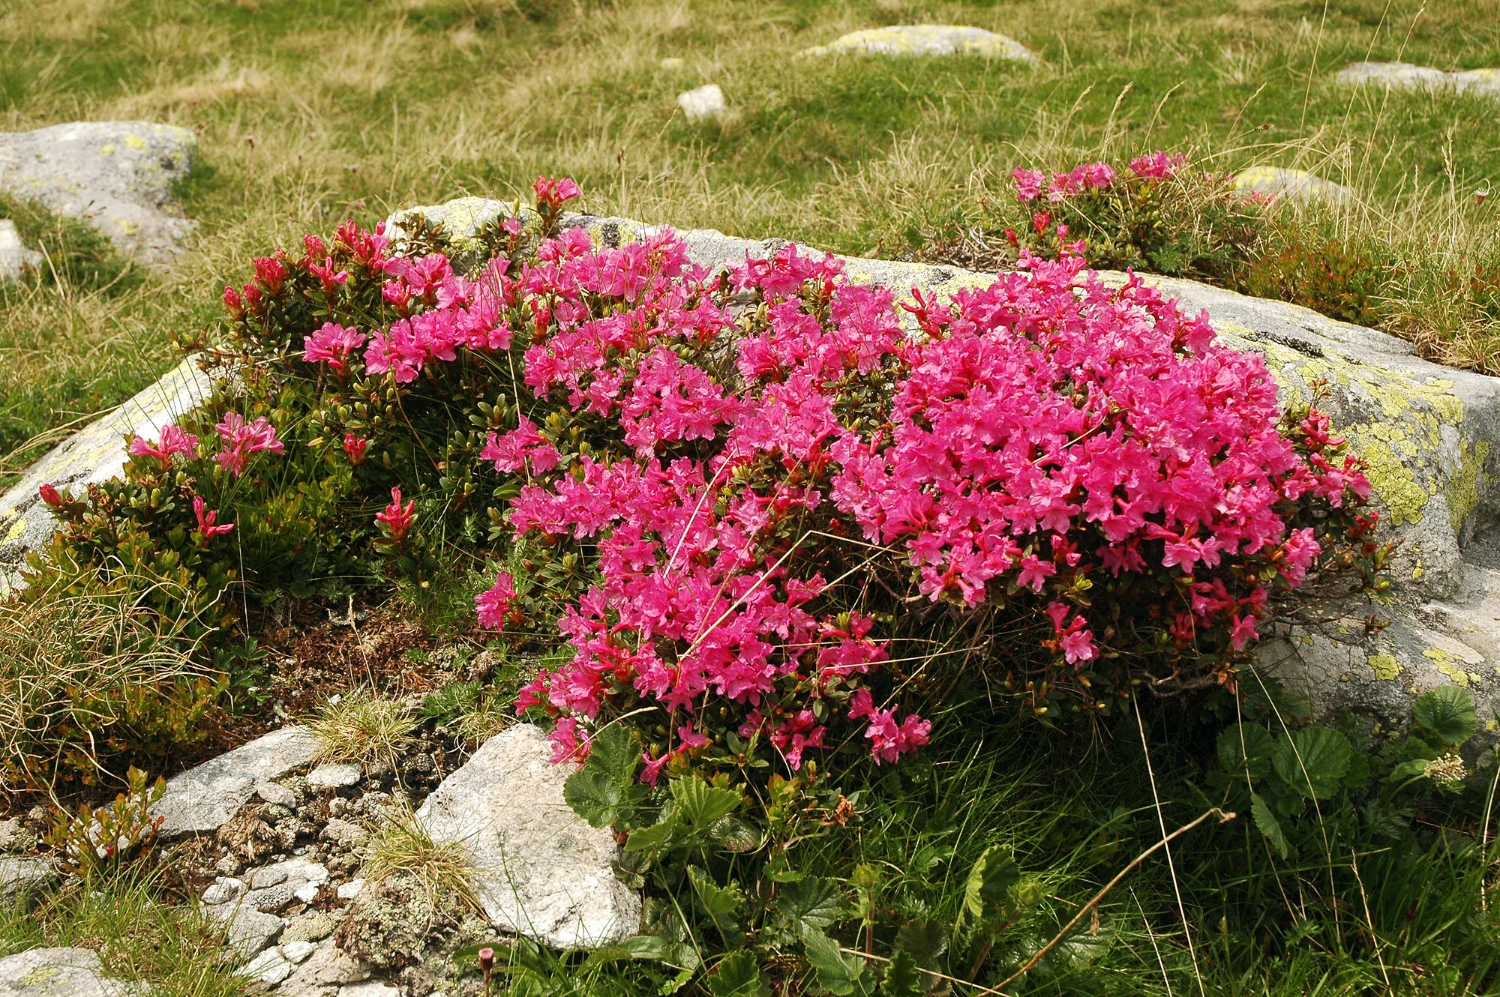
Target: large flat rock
{"points": [[116, 176], [543, 871], [204, 798], [1406, 76], [60, 972], [925, 40]]}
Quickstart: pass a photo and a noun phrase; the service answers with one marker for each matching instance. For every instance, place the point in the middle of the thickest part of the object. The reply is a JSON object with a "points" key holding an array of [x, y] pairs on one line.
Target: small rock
{"points": [[24, 875], [372, 988], [250, 930], [345, 834], [223, 890], [350, 890], [314, 926], [206, 797], [271, 967], [704, 102], [60, 972], [672, 63], [926, 39], [328, 966], [271, 899], [267, 876], [297, 952], [334, 775], [13, 836], [15, 258], [307, 892], [275, 792]]}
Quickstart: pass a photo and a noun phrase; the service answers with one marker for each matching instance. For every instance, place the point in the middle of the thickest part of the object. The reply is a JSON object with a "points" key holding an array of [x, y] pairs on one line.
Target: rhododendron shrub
{"points": [[769, 512], [1155, 212]]}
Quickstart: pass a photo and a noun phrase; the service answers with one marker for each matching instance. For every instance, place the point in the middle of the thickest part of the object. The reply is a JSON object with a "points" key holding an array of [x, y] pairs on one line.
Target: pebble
{"points": [[351, 889], [705, 102], [275, 792], [223, 890], [270, 967], [298, 952], [334, 775]]}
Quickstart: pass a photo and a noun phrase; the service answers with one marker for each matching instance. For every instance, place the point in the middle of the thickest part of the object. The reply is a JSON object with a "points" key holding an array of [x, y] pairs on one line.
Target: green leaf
{"points": [[836, 973], [1312, 761], [699, 804], [738, 975], [808, 905], [722, 904], [658, 835], [1246, 748], [925, 939], [605, 789], [1448, 712], [989, 893], [1269, 825], [902, 977], [734, 834]]}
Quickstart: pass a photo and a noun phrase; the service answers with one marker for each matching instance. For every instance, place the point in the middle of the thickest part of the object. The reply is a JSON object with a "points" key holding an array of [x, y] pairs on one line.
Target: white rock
{"points": [[1280, 183], [326, 968], [275, 792], [672, 63], [223, 890], [19, 874], [1406, 76], [334, 775], [350, 890], [60, 972], [115, 175], [543, 871], [307, 892], [204, 798], [705, 102], [373, 988], [249, 930], [15, 258], [927, 39], [271, 967], [298, 952]]}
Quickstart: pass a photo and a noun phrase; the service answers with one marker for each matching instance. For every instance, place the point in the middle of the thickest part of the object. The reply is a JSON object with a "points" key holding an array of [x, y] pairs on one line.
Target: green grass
{"points": [[137, 928], [309, 113]]}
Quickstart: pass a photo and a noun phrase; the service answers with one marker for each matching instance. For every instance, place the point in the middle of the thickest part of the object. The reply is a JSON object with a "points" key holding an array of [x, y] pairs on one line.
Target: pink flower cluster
{"points": [[1032, 185], [174, 440], [241, 439]]}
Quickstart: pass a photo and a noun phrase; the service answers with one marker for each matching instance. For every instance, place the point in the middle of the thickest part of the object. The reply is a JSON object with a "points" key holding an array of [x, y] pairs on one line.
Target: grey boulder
{"points": [[542, 871], [116, 176], [204, 798], [60, 972]]}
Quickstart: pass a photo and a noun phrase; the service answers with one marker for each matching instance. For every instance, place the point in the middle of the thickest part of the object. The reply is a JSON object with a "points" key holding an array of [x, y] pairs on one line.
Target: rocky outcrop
{"points": [[926, 40], [116, 176], [542, 870], [205, 798], [60, 972]]}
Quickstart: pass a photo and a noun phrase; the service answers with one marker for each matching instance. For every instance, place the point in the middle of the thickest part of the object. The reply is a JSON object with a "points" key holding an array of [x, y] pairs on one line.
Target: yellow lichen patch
{"points": [[1448, 665], [1463, 488], [135, 142], [1396, 484], [108, 150], [1386, 666], [16, 529]]}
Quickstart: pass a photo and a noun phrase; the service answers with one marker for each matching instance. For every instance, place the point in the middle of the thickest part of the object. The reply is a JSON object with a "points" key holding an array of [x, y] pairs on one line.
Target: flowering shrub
{"points": [[771, 510]]}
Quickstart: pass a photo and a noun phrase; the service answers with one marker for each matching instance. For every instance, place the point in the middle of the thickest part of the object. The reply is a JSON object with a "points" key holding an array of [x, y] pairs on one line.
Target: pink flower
{"points": [[242, 439], [552, 193], [208, 527], [1158, 165], [332, 344], [173, 441], [1028, 184], [524, 445], [494, 603], [396, 519], [50, 495], [355, 447]]}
